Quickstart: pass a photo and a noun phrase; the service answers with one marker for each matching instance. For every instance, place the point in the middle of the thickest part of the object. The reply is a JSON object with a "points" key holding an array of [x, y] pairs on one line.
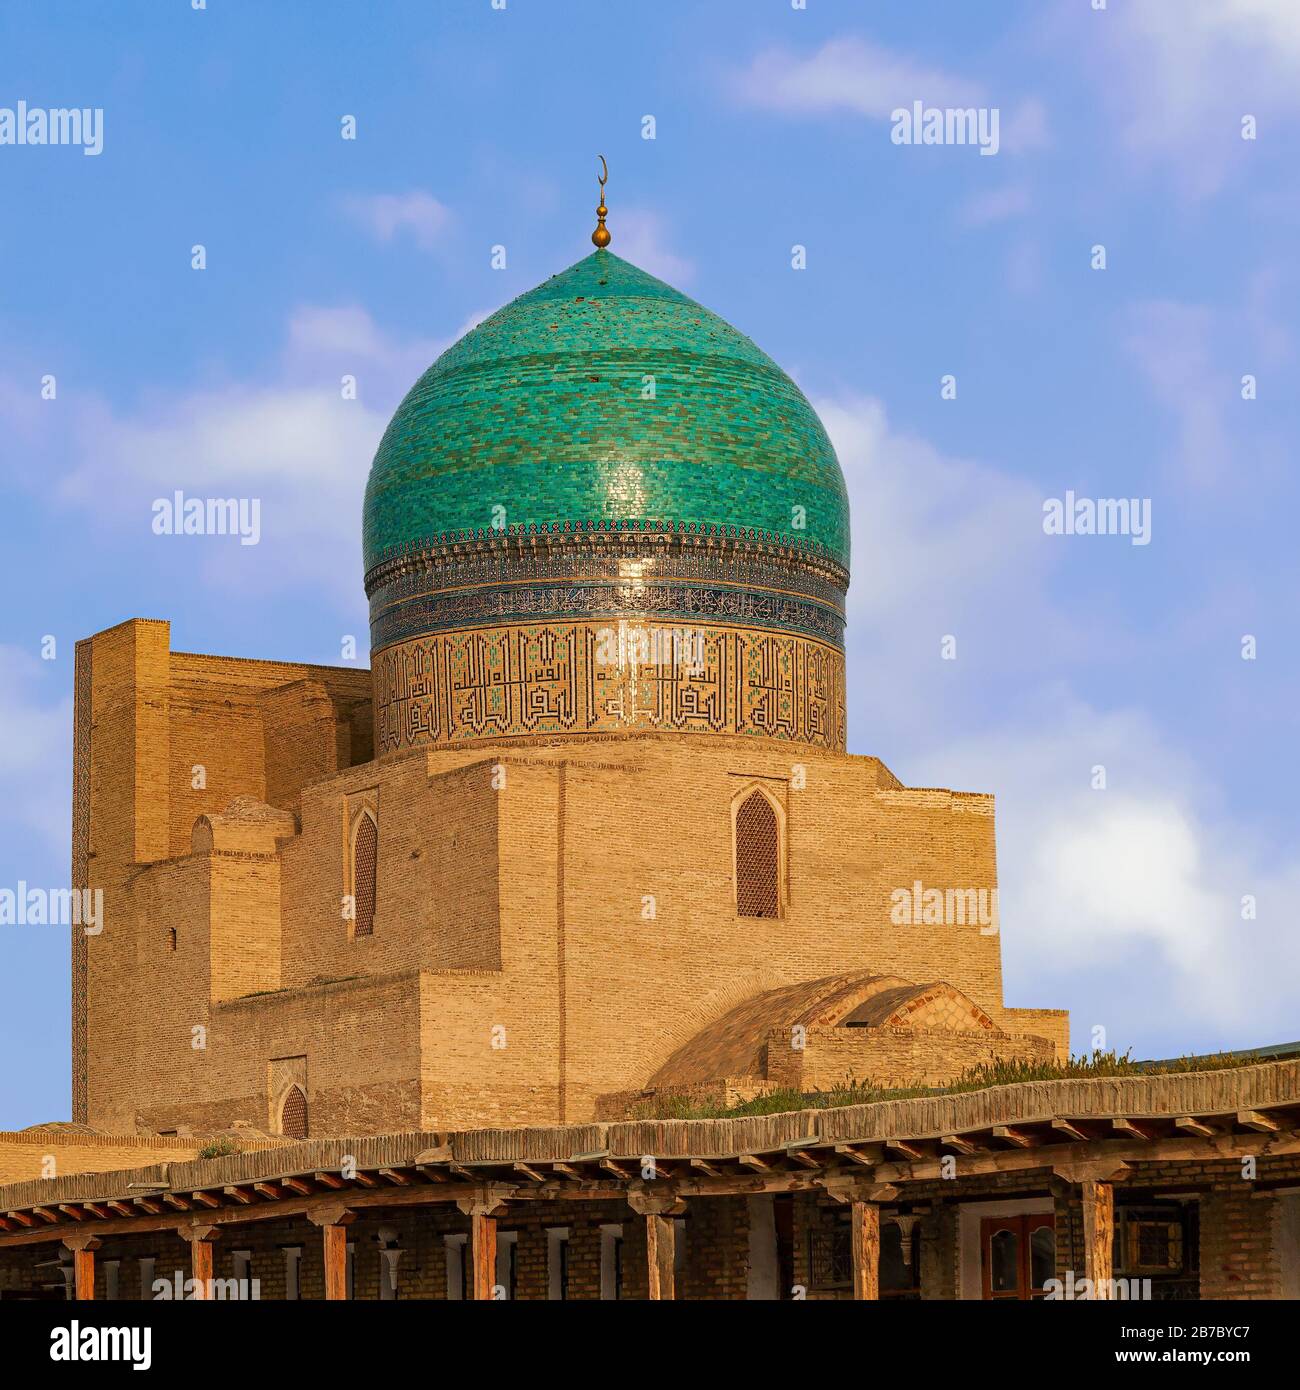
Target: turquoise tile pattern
{"points": [[605, 400]]}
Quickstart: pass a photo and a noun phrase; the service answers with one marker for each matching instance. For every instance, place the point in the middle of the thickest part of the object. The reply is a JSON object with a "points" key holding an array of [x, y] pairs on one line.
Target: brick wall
{"points": [[840, 1056], [583, 911]]}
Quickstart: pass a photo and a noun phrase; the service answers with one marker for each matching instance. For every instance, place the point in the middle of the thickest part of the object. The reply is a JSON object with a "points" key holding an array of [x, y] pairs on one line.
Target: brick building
{"points": [[582, 845]]}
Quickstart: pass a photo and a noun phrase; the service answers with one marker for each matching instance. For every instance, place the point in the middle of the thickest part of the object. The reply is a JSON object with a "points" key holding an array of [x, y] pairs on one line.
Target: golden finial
{"points": [[601, 235]]}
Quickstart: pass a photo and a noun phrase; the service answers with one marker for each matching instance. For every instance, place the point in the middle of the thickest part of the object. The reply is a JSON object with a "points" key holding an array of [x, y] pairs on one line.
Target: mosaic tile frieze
{"points": [[576, 678], [511, 583]]}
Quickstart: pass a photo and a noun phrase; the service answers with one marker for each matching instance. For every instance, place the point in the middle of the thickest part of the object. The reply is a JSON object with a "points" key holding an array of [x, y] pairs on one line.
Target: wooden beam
{"points": [[121, 1208], [50, 1218], [1122, 1125], [530, 1173], [393, 1175], [1016, 1137], [1098, 1199], [660, 1249], [366, 1179], [179, 1203], [204, 1199], [298, 1185], [1070, 1130], [150, 1204], [619, 1170], [864, 1244], [241, 1195], [567, 1170], [759, 1165], [330, 1180], [700, 1165], [909, 1151], [1189, 1124], [270, 1190], [72, 1210], [959, 1144], [1252, 1119], [97, 1209], [866, 1154]]}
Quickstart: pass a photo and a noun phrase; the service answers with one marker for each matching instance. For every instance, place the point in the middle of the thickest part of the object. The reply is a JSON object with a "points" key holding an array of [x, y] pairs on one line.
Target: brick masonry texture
{"points": [[552, 921]]}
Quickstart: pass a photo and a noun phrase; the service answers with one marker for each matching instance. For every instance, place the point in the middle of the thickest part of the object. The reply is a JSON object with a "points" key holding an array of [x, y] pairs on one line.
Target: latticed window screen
{"points": [[365, 857], [293, 1118], [830, 1259], [758, 859]]}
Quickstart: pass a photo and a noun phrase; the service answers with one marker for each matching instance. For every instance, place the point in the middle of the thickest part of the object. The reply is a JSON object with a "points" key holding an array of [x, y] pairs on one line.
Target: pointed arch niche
{"points": [[758, 845], [293, 1113], [361, 873]]}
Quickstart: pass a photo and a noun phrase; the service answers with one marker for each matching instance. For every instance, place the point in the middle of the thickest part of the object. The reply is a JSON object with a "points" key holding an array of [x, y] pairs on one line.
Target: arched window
{"points": [[758, 858], [365, 862], [293, 1114]]}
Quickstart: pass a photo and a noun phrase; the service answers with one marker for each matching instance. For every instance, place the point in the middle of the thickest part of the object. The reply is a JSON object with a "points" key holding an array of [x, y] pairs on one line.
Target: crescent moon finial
{"points": [[600, 237]]}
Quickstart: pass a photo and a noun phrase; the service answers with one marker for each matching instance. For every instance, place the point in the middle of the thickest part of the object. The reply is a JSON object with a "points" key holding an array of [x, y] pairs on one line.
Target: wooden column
{"points": [[200, 1264], [334, 1221], [658, 1209], [483, 1254], [482, 1209], [864, 1243], [1098, 1200], [335, 1240], [83, 1264], [661, 1251]]}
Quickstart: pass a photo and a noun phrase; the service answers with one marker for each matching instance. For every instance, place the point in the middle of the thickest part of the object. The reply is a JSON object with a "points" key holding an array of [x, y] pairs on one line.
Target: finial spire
{"points": [[601, 235]]}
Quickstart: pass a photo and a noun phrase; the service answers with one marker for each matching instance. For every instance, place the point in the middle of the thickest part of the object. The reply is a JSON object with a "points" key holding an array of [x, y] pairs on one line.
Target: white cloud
{"points": [[936, 540], [1179, 77], [1123, 904], [295, 444], [35, 754], [386, 215], [642, 237], [856, 75], [995, 205], [1129, 896], [1174, 347], [849, 74]]}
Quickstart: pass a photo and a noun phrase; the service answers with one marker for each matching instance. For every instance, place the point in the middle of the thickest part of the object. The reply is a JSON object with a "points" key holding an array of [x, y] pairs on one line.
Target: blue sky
{"points": [[1119, 127]]}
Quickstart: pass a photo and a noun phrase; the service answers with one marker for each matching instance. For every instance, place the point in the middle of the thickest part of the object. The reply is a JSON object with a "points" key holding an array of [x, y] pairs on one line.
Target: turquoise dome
{"points": [[604, 399]]}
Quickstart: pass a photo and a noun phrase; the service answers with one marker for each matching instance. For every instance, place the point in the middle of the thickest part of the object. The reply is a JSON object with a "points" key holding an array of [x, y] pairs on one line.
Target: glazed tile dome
{"points": [[604, 399], [604, 511]]}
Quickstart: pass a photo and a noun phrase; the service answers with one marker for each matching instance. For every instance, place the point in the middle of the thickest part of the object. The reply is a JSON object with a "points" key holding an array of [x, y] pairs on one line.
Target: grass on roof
{"points": [[977, 1078]]}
